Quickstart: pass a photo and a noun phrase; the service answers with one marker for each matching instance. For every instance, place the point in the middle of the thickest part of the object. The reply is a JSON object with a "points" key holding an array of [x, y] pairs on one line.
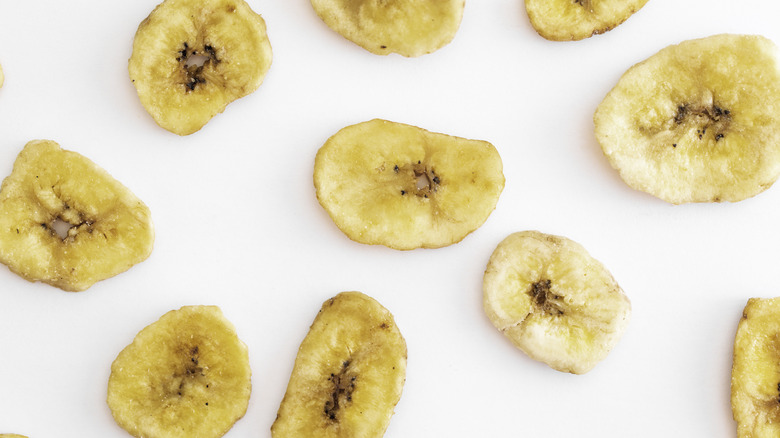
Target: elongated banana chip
{"points": [[348, 375], [186, 375], [755, 375], [554, 301], [191, 58], [404, 187], [66, 222], [698, 121], [570, 20], [408, 27]]}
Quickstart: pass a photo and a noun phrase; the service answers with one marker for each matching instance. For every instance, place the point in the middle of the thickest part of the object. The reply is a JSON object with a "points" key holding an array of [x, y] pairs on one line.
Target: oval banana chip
{"points": [[755, 374], [554, 301], [348, 375], [191, 58], [698, 121], [404, 187], [571, 20], [106, 229], [408, 27], [186, 375]]}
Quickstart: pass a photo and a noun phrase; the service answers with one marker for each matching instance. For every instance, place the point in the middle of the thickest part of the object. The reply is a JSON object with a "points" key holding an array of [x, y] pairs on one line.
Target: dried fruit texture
{"points": [[698, 121], [407, 27], [348, 375], [191, 58], [554, 301], [404, 187], [755, 375], [569, 20], [108, 228], [186, 375]]}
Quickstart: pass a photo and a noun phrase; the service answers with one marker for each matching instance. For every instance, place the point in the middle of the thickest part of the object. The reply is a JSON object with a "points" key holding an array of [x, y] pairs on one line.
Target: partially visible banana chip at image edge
{"points": [[348, 375], [698, 121], [186, 375], [11, 435], [108, 229], [554, 301], [404, 187], [571, 20], [191, 58], [2, 76], [408, 27], [755, 373]]}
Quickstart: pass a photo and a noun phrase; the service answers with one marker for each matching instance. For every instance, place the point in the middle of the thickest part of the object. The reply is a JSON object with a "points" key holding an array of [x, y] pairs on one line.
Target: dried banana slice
{"points": [[404, 187], [698, 121], [570, 20], [105, 228], [348, 375], [2, 77], [408, 27], [186, 375], [191, 58], [755, 375], [554, 301], [10, 435]]}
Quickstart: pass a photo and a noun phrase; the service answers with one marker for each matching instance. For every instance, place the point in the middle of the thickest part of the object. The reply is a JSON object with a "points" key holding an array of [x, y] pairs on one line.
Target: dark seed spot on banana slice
{"points": [[193, 61], [343, 387], [545, 299], [418, 179]]}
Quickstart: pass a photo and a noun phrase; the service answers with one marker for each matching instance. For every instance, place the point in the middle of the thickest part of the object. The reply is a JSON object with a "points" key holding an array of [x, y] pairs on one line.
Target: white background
{"points": [[238, 225]]}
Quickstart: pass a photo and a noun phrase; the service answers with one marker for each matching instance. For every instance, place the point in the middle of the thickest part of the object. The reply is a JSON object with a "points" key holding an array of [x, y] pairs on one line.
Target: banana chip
{"points": [[568, 20], [697, 122], [348, 375], [404, 187], [755, 375], [105, 228], [407, 27], [554, 301], [191, 58], [186, 375], [2, 77]]}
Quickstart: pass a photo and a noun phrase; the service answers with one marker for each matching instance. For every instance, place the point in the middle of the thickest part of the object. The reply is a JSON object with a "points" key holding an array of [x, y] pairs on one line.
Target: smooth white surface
{"points": [[238, 224]]}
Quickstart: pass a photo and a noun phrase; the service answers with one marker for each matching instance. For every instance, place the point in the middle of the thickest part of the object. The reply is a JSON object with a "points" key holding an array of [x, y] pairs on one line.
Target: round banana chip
{"points": [[186, 375], [66, 222], [698, 121], [407, 27], [571, 20], [191, 58], [404, 187], [348, 375], [554, 301], [755, 374]]}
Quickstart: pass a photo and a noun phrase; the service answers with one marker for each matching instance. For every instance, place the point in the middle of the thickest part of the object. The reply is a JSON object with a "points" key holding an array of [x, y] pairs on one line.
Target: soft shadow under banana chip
{"points": [[568, 20], [66, 222], [407, 27], [185, 376], [698, 121], [404, 187], [348, 375], [191, 58], [554, 301]]}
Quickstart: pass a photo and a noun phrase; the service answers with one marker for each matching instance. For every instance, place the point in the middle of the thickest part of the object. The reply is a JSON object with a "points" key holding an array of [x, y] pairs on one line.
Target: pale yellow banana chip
{"points": [[185, 376], [407, 27], [10, 435], [348, 375], [568, 20], [191, 58], [698, 121], [106, 229], [755, 375], [2, 76], [404, 187], [554, 301]]}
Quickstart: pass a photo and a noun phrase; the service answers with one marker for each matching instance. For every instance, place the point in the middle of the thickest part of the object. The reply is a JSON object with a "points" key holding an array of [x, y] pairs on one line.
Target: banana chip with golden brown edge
{"points": [[348, 375], [755, 374], [569, 20], [185, 376], [191, 58], [407, 27], [404, 187], [108, 228], [698, 121]]}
